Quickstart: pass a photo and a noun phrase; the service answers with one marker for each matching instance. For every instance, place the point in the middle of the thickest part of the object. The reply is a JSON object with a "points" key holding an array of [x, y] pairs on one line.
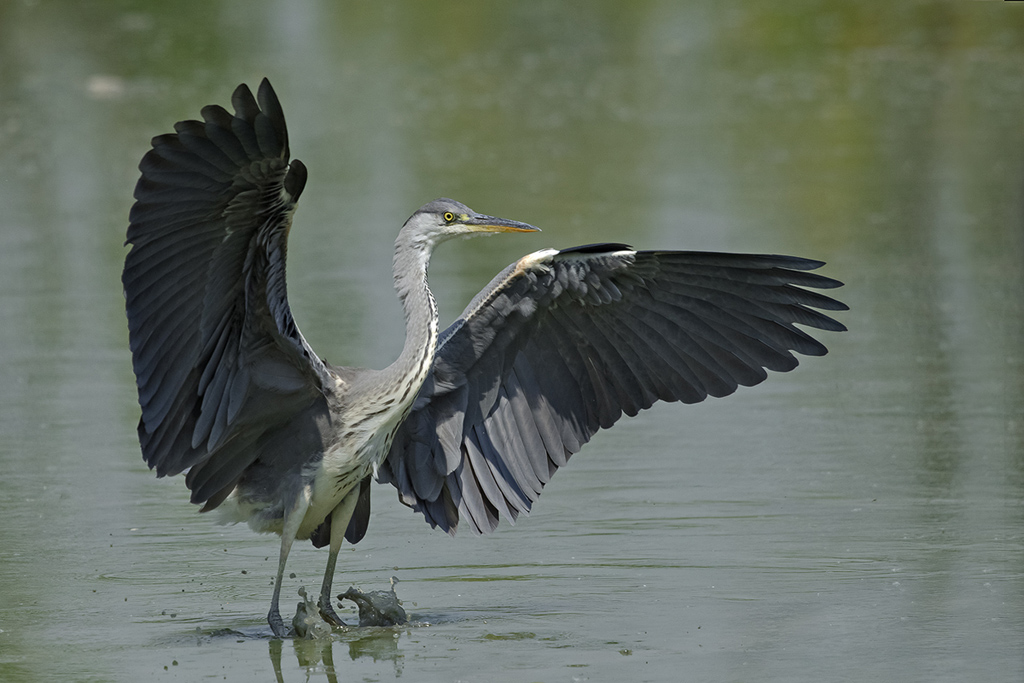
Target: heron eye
{"points": [[449, 216]]}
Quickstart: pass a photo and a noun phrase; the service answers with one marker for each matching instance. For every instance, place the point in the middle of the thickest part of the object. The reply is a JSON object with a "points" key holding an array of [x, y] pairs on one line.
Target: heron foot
{"points": [[276, 623], [328, 613]]}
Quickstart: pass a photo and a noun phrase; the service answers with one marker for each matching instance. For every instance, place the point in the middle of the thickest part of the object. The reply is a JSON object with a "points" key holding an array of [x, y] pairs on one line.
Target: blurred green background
{"points": [[882, 137]]}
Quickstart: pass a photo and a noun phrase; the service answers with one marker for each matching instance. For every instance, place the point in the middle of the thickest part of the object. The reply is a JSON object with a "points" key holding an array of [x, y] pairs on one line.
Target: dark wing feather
{"points": [[219, 362], [357, 526], [561, 344]]}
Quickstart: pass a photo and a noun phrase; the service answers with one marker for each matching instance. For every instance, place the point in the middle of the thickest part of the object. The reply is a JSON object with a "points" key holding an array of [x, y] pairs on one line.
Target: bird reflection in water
{"points": [[378, 644]]}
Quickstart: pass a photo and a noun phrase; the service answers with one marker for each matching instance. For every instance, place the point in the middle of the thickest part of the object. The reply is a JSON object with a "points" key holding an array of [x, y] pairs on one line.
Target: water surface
{"points": [[859, 518]]}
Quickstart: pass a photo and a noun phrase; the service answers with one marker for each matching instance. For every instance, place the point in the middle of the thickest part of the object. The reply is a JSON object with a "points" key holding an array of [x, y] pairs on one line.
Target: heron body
{"points": [[468, 424]]}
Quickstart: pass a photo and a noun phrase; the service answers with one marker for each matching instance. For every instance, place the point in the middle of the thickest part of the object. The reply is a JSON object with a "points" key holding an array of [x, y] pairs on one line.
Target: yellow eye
{"points": [[449, 216]]}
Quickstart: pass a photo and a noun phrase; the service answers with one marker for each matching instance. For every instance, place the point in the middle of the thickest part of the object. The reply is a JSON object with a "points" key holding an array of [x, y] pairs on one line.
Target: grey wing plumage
{"points": [[218, 359], [561, 344]]}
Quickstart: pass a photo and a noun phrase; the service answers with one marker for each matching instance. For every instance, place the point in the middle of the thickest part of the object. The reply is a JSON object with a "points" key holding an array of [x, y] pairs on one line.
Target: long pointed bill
{"points": [[481, 223]]}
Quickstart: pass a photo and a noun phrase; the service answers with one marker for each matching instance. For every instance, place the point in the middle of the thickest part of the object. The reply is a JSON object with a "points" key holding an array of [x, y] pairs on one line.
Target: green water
{"points": [[858, 519]]}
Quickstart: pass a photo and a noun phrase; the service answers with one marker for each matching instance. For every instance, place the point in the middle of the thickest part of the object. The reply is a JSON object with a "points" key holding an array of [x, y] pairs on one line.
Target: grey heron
{"points": [[468, 423]]}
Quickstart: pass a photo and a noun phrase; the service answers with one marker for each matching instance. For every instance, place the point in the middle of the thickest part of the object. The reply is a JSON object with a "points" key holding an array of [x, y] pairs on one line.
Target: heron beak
{"points": [[481, 223]]}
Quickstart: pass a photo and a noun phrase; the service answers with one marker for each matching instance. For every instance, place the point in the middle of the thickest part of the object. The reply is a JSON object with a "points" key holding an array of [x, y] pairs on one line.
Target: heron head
{"points": [[443, 219]]}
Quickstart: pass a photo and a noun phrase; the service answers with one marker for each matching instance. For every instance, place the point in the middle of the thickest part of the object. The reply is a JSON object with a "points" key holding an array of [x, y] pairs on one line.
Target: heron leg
{"points": [[340, 517], [292, 521]]}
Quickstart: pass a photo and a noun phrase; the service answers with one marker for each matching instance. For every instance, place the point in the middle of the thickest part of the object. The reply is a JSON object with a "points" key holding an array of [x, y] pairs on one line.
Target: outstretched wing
{"points": [[219, 362], [562, 343]]}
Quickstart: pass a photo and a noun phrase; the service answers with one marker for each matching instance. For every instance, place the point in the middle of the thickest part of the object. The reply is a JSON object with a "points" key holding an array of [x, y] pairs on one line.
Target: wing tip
{"points": [[295, 180]]}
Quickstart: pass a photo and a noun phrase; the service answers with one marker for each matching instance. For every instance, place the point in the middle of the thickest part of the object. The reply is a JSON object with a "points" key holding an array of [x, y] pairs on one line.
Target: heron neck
{"points": [[409, 371]]}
